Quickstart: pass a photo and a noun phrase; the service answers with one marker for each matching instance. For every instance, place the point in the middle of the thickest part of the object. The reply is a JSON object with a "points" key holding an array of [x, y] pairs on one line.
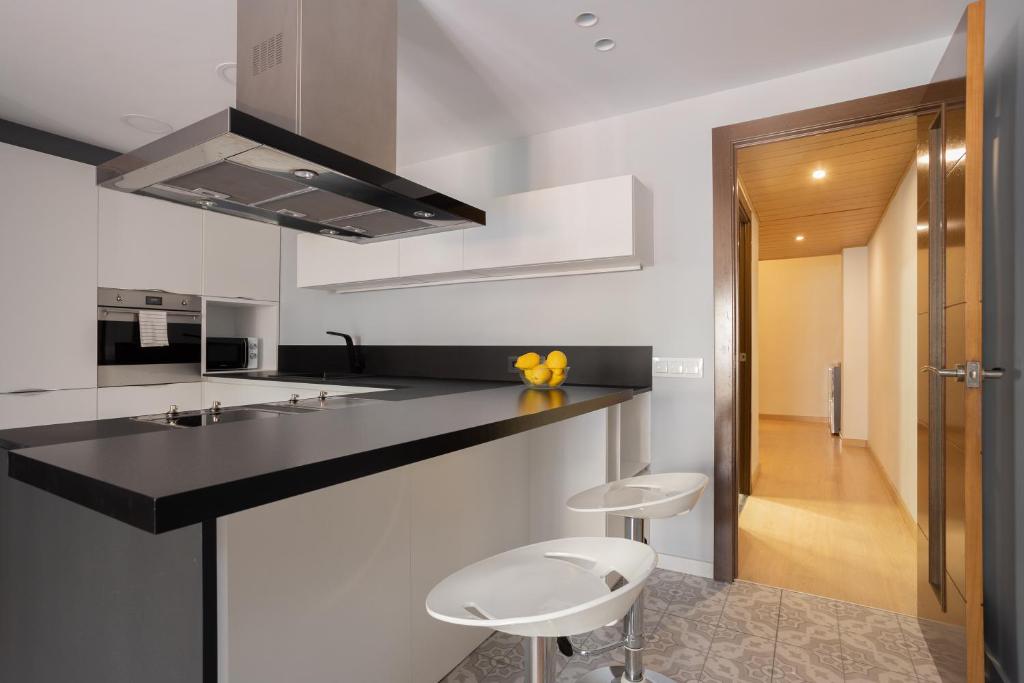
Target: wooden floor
{"points": [[822, 519]]}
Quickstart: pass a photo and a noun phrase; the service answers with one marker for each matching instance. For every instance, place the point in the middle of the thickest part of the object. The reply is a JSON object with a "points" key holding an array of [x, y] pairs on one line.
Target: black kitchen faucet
{"points": [[355, 359]]}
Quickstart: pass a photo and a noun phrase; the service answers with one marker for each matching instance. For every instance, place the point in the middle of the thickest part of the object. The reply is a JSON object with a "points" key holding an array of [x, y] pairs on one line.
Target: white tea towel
{"points": [[153, 328]]}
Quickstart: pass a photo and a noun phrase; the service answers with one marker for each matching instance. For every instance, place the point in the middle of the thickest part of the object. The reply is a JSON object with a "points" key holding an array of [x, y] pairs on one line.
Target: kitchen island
{"points": [[295, 548]]}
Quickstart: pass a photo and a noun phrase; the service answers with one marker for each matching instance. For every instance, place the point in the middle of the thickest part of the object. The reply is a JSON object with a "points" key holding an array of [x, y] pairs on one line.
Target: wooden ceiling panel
{"points": [[863, 167]]}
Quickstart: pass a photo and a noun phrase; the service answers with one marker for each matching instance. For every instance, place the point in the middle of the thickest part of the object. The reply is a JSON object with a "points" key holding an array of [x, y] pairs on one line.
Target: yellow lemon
{"points": [[557, 377], [556, 360], [538, 374], [527, 361]]}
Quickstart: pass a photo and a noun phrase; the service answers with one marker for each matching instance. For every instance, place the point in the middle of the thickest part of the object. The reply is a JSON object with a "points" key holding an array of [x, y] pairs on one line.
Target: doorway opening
{"points": [[827, 378]]}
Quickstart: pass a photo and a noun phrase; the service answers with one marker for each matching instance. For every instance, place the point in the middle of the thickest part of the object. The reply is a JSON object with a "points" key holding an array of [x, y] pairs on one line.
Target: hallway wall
{"points": [[854, 422], [800, 321], [892, 343]]}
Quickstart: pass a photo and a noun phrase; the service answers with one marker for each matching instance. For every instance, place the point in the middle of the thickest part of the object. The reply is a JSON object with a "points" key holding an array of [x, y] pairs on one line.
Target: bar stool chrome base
{"points": [[614, 674]]}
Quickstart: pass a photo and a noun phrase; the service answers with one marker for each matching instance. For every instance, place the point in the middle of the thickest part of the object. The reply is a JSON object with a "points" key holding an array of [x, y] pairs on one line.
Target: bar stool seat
{"points": [[546, 590], [649, 496], [638, 499]]}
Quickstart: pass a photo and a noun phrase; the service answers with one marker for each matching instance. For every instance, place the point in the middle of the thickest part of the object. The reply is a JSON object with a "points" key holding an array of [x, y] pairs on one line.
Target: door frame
{"points": [[725, 141]]}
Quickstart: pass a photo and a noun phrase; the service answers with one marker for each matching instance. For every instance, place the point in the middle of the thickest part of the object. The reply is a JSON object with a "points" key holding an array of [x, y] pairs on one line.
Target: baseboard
{"points": [[858, 443], [793, 418], [685, 565], [893, 492]]}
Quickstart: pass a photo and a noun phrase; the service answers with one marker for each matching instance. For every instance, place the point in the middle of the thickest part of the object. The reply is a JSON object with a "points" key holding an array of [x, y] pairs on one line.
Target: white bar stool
{"points": [[637, 499], [546, 590]]}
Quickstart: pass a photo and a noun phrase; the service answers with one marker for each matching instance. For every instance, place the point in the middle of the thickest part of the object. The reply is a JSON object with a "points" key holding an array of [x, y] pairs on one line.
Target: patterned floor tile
{"points": [[872, 638], [757, 653], [580, 666], [937, 651], [809, 622], [752, 609], [492, 662], [696, 598], [798, 665], [722, 670], [854, 673]]}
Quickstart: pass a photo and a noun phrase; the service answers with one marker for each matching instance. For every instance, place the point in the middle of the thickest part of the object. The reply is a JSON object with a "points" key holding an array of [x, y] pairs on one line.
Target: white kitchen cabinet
{"points": [[46, 407], [48, 278], [241, 258], [430, 255], [147, 243], [148, 400], [580, 222], [326, 261], [597, 226]]}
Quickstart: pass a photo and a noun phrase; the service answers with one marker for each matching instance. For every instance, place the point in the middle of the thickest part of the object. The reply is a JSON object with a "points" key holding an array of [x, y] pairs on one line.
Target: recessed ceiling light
{"points": [[228, 72], [206, 203], [586, 20], [423, 214], [330, 232], [147, 124], [304, 173], [604, 44], [799, 238], [818, 174]]}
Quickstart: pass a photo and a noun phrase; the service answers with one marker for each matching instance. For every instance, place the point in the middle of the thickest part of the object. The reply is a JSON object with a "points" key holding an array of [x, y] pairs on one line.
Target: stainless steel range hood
{"points": [[314, 77]]}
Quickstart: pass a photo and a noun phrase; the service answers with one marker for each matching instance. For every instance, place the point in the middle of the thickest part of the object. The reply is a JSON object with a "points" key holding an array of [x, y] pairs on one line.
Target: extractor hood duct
{"points": [[314, 77]]}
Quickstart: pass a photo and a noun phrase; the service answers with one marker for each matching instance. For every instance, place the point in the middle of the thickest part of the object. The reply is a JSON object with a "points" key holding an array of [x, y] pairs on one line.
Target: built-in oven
{"points": [[232, 353], [161, 349]]}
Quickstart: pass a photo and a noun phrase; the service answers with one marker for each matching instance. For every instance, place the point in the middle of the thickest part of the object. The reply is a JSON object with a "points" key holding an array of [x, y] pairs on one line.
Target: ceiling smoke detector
{"points": [[147, 124]]}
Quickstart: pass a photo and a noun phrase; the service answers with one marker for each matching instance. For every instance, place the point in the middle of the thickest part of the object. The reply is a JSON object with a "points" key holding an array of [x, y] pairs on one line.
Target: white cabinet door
{"points": [[241, 258], [149, 399], [147, 243], [48, 276], [585, 221], [46, 408], [325, 261], [431, 254]]}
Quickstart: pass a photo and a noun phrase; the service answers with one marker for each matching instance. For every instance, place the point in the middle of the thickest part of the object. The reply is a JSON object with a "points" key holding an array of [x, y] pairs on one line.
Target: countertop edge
{"points": [[163, 514]]}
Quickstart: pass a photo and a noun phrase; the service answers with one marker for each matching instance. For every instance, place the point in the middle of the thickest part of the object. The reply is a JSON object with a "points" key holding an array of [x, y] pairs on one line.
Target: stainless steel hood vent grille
{"points": [[237, 164]]}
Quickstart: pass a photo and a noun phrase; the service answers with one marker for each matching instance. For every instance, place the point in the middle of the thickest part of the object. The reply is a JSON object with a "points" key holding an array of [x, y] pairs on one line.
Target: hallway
{"points": [[823, 520]]}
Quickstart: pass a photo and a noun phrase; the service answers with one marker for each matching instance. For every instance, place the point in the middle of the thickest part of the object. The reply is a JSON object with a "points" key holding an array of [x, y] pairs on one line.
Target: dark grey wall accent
{"points": [[86, 598], [1003, 311], [612, 366], [50, 143]]}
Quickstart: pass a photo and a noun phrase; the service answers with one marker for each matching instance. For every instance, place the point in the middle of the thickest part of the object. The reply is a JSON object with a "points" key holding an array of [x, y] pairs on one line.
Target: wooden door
{"points": [[949, 472], [744, 417]]}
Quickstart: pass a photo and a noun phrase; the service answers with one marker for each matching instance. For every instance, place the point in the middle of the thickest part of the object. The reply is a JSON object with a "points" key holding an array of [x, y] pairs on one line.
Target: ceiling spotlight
{"points": [[330, 232], [304, 173], [799, 238], [227, 72], [147, 124], [423, 214], [604, 44], [206, 203], [586, 20], [818, 174]]}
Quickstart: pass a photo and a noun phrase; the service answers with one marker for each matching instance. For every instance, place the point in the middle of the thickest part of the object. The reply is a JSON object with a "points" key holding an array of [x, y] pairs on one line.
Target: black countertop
{"points": [[159, 479]]}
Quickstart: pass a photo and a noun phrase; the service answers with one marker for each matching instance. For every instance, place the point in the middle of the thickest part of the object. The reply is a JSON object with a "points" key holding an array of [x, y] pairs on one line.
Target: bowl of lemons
{"points": [[543, 372]]}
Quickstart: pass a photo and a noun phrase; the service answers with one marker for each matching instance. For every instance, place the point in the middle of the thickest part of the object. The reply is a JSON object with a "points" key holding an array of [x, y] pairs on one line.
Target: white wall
{"points": [[892, 346], [855, 344], [669, 305], [800, 322]]}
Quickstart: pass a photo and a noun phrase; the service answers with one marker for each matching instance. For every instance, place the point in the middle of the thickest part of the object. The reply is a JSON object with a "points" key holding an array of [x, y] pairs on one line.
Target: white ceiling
{"points": [[471, 72]]}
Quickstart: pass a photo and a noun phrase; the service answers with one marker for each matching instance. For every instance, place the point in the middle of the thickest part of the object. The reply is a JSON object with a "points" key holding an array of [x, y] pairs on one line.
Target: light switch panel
{"points": [[679, 367]]}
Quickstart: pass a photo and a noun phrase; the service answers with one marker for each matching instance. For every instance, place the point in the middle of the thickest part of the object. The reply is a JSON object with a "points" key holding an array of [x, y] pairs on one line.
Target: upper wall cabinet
{"points": [[589, 221], [326, 261], [241, 258], [596, 226], [48, 277], [146, 243]]}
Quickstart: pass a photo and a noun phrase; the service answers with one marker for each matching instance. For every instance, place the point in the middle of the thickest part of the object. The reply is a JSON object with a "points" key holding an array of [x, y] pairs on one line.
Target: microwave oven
{"points": [[232, 353]]}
